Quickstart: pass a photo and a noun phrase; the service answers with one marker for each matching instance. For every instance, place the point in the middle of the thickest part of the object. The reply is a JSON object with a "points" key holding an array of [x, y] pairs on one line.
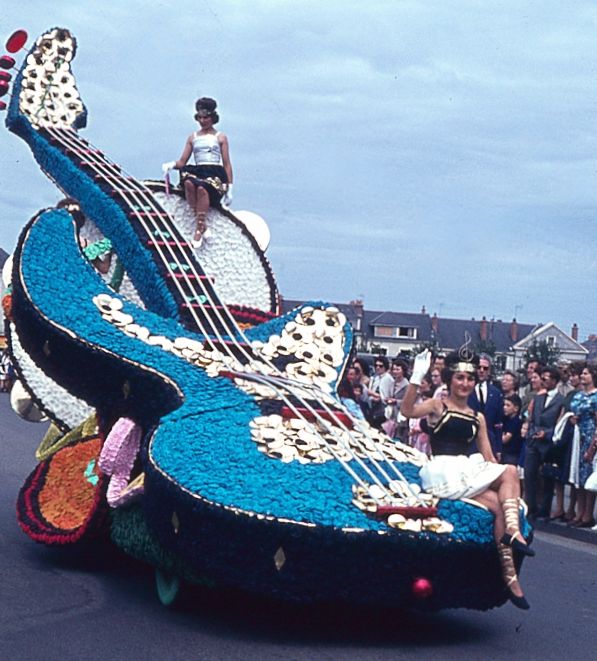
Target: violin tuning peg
{"points": [[16, 41], [7, 62]]}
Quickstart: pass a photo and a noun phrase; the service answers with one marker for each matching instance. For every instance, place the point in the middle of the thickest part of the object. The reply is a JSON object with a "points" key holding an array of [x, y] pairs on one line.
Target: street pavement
{"points": [[63, 606]]}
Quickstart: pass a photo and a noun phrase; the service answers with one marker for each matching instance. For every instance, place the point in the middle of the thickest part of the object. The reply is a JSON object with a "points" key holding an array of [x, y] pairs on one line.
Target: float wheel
{"points": [[168, 587]]}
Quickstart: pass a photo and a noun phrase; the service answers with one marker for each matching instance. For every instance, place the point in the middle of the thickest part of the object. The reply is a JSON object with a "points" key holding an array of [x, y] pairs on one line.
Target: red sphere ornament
{"points": [[5, 75], [4, 87], [2, 105], [421, 588], [16, 41], [7, 62]]}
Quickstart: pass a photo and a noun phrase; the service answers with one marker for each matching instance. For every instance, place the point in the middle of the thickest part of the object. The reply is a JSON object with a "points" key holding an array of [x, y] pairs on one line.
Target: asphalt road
{"points": [[54, 605]]}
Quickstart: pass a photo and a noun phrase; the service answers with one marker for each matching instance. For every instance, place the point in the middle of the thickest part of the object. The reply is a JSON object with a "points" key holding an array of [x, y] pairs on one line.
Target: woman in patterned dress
{"points": [[584, 407]]}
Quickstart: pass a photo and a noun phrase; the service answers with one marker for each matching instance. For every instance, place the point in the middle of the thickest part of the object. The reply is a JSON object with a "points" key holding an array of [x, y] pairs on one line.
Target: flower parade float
{"points": [[193, 426]]}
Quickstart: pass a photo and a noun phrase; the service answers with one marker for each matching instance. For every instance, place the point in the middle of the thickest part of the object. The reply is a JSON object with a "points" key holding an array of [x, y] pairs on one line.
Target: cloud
{"points": [[380, 140]]}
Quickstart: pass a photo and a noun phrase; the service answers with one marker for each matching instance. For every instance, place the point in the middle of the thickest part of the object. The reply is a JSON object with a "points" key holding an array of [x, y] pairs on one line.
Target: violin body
{"points": [[246, 464]]}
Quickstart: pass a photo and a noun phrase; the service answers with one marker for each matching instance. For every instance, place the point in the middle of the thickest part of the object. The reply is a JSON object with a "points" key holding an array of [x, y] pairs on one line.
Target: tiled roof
{"points": [[450, 333], [410, 319]]}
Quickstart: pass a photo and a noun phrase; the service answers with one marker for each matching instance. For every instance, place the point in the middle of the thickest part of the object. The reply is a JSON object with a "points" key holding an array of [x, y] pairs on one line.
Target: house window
{"points": [[385, 331], [551, 341], [406, 331]]}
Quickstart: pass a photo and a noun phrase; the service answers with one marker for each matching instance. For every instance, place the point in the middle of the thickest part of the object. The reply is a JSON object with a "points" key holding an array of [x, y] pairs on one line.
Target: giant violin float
{"points": [[192, 426]]}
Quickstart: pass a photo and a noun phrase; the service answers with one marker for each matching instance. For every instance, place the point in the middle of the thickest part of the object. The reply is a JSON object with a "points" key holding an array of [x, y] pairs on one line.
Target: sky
{"points": [[409, 153]]}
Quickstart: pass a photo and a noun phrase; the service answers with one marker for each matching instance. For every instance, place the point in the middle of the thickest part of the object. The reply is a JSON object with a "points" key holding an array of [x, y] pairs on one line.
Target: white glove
{"points": [[227, 197], [167, 167], [421, 367]]}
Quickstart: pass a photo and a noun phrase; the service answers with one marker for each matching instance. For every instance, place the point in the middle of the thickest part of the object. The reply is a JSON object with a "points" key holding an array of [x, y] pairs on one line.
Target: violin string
{"points": [[362, 446], [149, 202], [356, 424], [271, 383]]}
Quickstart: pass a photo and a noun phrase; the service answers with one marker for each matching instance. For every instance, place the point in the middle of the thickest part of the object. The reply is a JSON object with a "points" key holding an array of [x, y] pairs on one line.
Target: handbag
{"points": [[377, 413], [551, 471]]}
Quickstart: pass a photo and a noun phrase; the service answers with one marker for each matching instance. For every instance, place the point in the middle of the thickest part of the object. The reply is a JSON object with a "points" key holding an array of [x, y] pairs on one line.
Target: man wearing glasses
{"points": [[488, 400]]}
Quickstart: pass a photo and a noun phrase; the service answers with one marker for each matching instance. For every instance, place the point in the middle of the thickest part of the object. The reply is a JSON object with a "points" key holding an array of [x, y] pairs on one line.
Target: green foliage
{"points": [[432, 345], [485, 346], [377, 349], [545, 353]]}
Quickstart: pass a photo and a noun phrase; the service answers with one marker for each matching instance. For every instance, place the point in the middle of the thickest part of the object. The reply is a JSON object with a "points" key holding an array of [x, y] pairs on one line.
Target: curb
{"points": [[585, 535]]}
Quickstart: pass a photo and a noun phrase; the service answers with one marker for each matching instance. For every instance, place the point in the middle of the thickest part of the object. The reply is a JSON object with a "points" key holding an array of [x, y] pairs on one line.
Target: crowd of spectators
{"points": [[542, 420]]}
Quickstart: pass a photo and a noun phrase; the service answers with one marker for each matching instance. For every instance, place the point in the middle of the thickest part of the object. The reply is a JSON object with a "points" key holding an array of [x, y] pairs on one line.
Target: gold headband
{"points": [[463, 367]]}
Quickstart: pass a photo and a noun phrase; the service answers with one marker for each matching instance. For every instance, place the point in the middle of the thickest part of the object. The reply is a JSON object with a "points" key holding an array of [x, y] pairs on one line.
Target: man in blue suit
{"points": [[488, 400]]}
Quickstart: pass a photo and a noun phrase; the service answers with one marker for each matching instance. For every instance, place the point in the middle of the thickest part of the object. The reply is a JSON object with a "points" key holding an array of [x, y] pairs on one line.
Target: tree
{"points": [[432, 345], [485, 346], [545, 353]]}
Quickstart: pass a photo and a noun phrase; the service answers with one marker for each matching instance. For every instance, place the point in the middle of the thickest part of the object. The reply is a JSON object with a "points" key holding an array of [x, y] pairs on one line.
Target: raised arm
{"points": [[409, 408]]}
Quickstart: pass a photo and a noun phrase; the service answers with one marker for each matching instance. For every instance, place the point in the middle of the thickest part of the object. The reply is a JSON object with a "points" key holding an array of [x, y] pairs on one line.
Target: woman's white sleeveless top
{"points": [[206, 149]]}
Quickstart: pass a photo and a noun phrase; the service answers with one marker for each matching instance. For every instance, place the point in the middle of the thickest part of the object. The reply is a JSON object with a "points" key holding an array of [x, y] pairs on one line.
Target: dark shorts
{"points": [[210, 177]]}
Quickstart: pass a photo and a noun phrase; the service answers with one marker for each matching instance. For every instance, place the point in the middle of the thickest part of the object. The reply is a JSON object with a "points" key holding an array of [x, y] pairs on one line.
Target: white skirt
{"points": [[459, 476]]}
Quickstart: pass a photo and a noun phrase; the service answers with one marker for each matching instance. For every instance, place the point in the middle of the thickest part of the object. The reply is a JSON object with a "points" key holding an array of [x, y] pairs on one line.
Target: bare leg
{"points": [[587, 516], [559, 510], [491, 500], [190, 194], [201, 208], [581, 495], [510, 577], [507, 486], [571, 513]]}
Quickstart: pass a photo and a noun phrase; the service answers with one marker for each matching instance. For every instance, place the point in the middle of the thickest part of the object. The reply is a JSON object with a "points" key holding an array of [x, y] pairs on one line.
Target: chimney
{"points": [[435, 323], [483, 329], [575, 331], [514, 331], [357, 305]]}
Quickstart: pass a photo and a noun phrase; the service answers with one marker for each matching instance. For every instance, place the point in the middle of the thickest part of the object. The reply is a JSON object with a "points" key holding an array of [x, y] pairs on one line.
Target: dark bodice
{"points": [[453, 433]]}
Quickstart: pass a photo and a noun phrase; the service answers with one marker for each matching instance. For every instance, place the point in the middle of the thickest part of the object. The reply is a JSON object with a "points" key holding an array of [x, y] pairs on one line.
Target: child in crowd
{"points": [[359, 394], [511, 431]]}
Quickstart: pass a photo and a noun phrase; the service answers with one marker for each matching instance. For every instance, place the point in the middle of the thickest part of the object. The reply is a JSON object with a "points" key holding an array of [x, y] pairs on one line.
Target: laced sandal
{"points": [[200, 227], [518, 600], [510, 577], [514, 539], [201, 231]]}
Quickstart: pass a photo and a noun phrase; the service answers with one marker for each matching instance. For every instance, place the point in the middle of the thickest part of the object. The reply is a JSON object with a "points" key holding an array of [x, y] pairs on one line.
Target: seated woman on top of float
{"points": [[209, 181], [452, 473]]}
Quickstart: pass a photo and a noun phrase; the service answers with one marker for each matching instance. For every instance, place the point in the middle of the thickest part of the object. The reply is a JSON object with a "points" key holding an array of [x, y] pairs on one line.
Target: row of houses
{"points": [[395, 333]]}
